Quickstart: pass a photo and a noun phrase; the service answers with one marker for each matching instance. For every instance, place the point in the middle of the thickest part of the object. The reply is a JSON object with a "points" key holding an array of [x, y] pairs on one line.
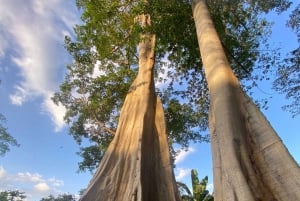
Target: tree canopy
{"points": [[105, 63], [288, 73], [62, 197], [9, 195], [6, 140]]}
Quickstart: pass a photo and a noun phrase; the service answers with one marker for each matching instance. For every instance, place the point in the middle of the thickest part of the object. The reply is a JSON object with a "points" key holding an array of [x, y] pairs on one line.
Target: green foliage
{"points": [[63, 197], [92, 156], [199, 189], [277, 5], [288, 73], [105, 64], [181, 119], [6, 140], [185, 193], [12, 195]]}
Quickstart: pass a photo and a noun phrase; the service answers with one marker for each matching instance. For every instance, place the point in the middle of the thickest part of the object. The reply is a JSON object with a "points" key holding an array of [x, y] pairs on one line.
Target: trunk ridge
{"points": [[137, 164], [250, 162]]}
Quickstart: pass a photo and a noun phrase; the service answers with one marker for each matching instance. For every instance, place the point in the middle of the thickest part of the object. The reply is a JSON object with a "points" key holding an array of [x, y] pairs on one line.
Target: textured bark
{"points": [[137, 165], [250, 162]]}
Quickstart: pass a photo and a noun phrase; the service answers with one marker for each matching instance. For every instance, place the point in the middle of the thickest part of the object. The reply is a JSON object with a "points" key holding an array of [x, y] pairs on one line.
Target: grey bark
{"points": [[137, 164], [250, 162]]}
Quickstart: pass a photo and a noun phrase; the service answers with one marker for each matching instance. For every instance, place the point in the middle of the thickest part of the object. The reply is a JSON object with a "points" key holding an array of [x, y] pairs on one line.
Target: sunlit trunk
{"points": [[250, 162], [137, 165]]}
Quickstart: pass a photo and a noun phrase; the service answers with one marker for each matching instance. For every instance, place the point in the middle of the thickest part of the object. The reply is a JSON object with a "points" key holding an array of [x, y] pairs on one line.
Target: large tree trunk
{"points": [[250, 162], [137, 165]]}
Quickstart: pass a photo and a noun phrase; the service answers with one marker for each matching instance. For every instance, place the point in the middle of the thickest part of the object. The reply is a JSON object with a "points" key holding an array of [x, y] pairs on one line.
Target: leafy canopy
{"points": [[9, 195], [105, 64], [288, 73], [63, 197], [6, 140]]}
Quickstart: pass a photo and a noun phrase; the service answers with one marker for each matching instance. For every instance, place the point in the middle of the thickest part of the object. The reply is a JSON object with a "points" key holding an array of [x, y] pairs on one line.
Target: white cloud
{"points": [[210, 187], [56, 112], [42, 187], [28, 177], [181, 173], [56, 182], [181, 156], [34, 185], [35, 30], [97, 72], [19, 96], [2, 172], [3, 44]]}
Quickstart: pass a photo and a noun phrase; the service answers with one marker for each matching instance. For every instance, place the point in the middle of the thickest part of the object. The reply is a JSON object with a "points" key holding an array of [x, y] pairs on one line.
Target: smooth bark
{"points": [[137, 164], [250, 162]]}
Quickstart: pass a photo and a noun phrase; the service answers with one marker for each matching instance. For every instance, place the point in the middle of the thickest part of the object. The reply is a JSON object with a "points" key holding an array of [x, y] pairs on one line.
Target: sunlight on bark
{"points": [[250, 162], [137, 165]]}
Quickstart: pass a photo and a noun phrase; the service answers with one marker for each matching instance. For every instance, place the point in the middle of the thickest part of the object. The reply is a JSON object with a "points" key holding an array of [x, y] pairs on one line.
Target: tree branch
{"points": [[84, 101]]}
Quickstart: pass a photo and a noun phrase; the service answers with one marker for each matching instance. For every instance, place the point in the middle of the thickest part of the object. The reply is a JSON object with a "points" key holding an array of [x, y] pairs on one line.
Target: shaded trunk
{"points": [[250, 162], [137, 165]]}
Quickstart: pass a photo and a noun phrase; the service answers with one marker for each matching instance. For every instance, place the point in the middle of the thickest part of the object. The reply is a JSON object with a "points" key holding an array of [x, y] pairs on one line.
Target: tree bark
{"points": [[250, 162], [137, 164]]}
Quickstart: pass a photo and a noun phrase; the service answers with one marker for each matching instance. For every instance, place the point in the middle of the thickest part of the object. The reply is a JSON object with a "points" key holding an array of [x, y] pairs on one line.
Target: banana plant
{"points": [[199, 191]]}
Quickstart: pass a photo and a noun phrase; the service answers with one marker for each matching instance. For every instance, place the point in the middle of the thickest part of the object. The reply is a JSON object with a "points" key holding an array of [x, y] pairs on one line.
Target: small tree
{"points": [[6, 140], [63, 197], [200, 193], [9, 195]]}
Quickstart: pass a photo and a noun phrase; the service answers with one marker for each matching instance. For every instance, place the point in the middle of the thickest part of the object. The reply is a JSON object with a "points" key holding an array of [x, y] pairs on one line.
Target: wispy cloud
{"points": [[2, 172], [182, 173], [182, 154], [34, 185], [55, 112], [210, 187], [36, 31]]}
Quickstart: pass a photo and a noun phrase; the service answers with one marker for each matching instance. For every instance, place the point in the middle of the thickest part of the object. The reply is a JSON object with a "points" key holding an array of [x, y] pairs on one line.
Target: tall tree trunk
{"points": [[137, 165], [250, 161]]}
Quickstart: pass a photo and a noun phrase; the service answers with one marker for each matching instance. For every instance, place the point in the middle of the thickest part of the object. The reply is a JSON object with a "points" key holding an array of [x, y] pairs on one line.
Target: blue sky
{"points": [[32, 64]]}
